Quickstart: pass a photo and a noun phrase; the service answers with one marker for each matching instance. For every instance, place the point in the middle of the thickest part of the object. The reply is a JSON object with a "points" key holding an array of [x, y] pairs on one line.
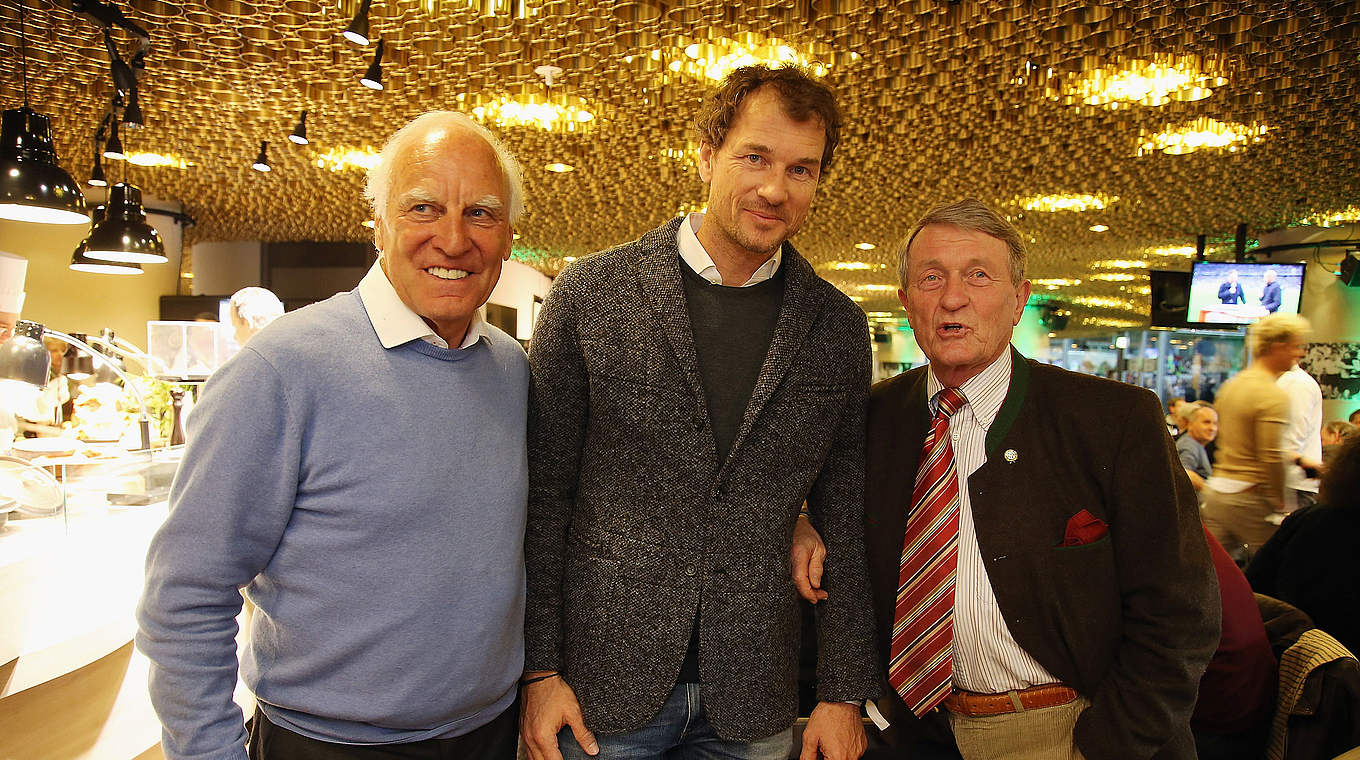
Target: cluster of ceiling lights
{"points": [[1203, 132], [1067, 202], [34, 187]]}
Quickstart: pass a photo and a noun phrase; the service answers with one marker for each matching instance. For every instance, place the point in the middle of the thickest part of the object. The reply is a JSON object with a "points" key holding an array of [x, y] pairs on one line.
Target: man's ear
{"points": [[706, 151]]}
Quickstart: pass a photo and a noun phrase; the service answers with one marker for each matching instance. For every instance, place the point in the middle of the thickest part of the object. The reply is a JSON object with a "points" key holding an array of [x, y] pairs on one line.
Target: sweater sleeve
{"points": [[1271, 424], [229, 505]]}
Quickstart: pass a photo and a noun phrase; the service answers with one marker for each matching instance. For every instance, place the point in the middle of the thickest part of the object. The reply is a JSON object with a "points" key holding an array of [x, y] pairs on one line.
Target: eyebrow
{"points": [[415, 194], [492, 202]]}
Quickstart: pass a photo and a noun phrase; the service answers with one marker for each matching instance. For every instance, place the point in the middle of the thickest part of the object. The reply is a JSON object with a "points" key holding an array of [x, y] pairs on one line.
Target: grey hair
{"points": [[968, 214], [256, 307], [1188, 411], [1277, 328], [379, 186]]}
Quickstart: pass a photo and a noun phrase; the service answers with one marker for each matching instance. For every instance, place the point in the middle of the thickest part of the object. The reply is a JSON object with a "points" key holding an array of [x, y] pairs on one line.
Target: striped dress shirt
{"points": [[986, 657]]}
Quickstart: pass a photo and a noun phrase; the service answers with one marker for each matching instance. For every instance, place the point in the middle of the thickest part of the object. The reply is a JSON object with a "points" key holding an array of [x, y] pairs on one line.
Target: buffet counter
{"points": [[71, 683]]}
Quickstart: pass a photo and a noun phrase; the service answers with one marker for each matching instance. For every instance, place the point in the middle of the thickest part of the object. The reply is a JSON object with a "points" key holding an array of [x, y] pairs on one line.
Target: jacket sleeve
{"points": [[1170, 601], [228, 512], [846, 660], [558, 403]]}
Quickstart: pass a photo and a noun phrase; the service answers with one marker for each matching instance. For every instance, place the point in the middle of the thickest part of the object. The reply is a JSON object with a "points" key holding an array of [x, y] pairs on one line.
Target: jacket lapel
{"points": [[662, 289], [801, 304]]}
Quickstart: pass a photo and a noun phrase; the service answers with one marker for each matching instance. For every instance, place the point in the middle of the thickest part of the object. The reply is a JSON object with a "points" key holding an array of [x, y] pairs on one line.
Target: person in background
{"points": [[360, 469], [1201, 427], [1039, 572], [1230, 291], [691, 391], [1310, 561], [251, 309], [1302, 441], [1175, 424], [13, 269], [1335, 433], [1354, 419], [1270, 294], [1248, 483]]}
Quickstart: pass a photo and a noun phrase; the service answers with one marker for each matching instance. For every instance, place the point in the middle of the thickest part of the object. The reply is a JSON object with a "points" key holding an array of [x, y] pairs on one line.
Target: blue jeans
{"points": [[679, 731]]}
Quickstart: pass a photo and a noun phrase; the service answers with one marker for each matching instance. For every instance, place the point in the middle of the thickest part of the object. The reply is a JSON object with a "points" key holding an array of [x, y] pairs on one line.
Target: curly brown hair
{"points": [[802, 96], [1340, 485]]}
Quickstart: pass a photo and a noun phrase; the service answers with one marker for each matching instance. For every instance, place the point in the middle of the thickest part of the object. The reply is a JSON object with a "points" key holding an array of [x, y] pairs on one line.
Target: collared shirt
{"points": [[987, 658], [1303, 435], [396, 323], [692, 253]]}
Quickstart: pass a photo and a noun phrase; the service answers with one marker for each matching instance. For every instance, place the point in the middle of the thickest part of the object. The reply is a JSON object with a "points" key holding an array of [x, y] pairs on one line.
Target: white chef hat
{"points": [[12, 271]]}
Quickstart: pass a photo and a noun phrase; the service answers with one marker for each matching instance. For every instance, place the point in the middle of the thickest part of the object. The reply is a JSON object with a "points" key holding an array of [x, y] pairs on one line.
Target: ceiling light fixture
{"points": [[357, 31], [1146, 82], [1112, 277], [1201, 133], [556, 113], [341, 159], [1349, 215], [879, 288], [1098, 228], [124, 235], [113, 148], [157, 160], [262, 161], [132, 115], [97, 174], [1067, 202], [1120, 264], [299, 134], [853, 266], [865, 246], [1178, 250], [715, 59], [83, 263], [559, 168], [1053, 283], [33, 186], [372, 79]]}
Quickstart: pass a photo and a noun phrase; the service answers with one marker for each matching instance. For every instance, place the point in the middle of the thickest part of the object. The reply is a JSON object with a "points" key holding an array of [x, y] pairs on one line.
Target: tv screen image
{"points": [[1227, 293]]}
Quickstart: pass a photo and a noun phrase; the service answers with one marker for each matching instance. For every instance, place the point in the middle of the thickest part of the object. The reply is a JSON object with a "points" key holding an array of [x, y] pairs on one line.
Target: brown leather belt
{"points": [[973, 704]]}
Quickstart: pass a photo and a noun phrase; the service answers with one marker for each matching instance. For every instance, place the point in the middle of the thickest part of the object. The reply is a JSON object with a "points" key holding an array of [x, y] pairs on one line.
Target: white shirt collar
{"points": [[985, 391], [394, 321], [692, 253]]}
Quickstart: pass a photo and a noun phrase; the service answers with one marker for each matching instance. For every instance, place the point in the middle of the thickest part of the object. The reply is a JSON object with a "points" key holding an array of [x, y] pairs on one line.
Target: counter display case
{"points": [[71, 571]]}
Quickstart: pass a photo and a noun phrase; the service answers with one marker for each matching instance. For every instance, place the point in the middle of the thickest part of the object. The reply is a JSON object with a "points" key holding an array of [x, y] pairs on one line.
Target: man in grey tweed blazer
{"points": [[690, 391]]}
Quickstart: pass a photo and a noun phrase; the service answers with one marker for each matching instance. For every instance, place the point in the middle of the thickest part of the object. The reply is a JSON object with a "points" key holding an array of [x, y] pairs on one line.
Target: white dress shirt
{"points": [[396, 323], [1303, 435], [692, 253], [986, 657]]}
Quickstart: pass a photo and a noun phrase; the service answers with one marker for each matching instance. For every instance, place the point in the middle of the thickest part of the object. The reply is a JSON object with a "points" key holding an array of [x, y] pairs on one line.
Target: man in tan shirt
{"points": [[1247, 487]]}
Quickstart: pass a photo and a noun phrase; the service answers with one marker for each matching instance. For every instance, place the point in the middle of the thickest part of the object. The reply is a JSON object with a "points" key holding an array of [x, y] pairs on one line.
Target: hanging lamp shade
{"points": [[132, 115], [299, 134], [97, 174], [82, 263], [113, 147], [23, 357], [372, 79], [124, 236], [33, 187], [357, 31]]}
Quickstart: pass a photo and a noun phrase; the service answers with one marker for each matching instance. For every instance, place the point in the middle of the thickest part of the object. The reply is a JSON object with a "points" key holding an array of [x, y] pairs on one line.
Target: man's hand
{"points": [[808, 554], [548, 705], [834, 732]]}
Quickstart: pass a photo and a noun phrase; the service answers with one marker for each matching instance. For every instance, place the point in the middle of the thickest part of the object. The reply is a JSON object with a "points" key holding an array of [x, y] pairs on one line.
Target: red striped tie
{"points": [[922, 661]]}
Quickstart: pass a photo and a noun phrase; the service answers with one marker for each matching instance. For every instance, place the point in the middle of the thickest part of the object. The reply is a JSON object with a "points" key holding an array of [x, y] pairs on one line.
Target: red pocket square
{"points": [[1084, 528]]}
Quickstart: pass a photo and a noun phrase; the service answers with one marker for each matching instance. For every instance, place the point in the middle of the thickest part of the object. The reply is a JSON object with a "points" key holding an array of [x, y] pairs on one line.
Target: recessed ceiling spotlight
{"points": [[1098, 228], [559, 167], [865, 246]]}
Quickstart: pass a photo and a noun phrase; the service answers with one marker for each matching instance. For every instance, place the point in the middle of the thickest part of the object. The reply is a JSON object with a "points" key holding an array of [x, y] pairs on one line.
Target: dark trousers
{"points": [[497, 740]]}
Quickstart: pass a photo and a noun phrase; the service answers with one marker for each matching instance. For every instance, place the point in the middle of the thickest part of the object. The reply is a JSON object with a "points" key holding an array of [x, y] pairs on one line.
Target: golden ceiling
{"points": [[943, 99]]}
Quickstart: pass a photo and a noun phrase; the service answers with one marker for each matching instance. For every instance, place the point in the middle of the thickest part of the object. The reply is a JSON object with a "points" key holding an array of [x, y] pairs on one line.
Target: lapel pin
{"points": [[1011, 455]]}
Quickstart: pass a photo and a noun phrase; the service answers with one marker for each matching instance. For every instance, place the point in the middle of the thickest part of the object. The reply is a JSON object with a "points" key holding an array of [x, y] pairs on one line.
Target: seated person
{"points": [[1201, 427], [1237, 693], [1310, 561], [1335, 433]]}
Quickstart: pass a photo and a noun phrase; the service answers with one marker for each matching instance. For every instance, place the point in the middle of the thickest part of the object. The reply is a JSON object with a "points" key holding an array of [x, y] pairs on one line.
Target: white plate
{"points": [[52, 447]]}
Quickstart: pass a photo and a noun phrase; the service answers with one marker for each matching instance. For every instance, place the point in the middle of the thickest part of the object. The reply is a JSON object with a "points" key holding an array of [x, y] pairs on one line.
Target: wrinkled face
{"points": [[762, 178], [1203, 426], [960, 300], [445, 229]]}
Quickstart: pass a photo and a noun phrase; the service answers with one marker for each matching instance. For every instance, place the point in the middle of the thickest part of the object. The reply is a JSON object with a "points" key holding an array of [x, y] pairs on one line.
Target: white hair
{"points": [[255, 307], [379, 186]]}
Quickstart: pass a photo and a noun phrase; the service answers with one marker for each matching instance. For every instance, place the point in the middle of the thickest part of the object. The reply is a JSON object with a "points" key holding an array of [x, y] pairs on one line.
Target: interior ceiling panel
{"points": [[943, 100]]}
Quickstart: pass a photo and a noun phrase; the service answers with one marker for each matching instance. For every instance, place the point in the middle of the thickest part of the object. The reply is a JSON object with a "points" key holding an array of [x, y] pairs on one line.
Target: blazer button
{"points": [[689, 569]]}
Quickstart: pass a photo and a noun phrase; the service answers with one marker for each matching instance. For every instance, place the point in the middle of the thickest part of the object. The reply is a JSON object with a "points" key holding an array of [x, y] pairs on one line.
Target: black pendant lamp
{"points": [[372, 79], [132, 115], [299, 134], [357, 31], [124, 236], [82, 263], [262, 160], [97, 174], [113, 148], [33, 187]]}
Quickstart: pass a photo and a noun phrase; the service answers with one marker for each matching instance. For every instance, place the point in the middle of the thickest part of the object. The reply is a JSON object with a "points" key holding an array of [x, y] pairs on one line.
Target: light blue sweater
{"points": [[372, 503]]}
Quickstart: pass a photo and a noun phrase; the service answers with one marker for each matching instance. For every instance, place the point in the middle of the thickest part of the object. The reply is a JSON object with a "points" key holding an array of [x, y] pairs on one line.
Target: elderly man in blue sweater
{"points": [[359, 469]]}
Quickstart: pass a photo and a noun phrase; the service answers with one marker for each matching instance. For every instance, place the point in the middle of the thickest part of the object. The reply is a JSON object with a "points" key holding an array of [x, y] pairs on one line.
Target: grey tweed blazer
{"points": [[635, 526]]}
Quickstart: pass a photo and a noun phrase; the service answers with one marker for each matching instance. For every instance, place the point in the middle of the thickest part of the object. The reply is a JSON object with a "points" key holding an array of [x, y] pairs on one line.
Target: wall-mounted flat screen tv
{"points": [[1226, 293]]}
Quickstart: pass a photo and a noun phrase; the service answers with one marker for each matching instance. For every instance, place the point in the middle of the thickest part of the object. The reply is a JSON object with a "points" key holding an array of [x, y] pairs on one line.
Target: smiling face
{"points": [[445, 229], [1203, 425], [960, 300], [761, 179]]}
